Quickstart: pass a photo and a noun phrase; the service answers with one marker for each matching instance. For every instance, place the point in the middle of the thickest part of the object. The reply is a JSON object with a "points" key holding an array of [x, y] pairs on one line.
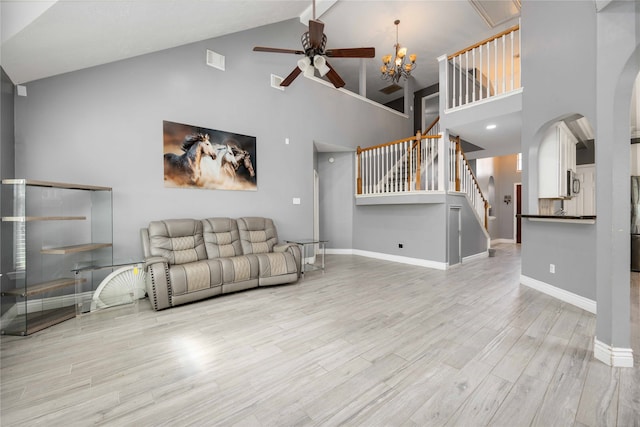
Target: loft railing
{"points": [[484, 70], [402, 166], [462, 179]]}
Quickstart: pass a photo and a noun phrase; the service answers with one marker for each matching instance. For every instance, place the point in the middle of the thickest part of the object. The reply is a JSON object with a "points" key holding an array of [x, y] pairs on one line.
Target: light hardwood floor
{"points": [[368, 343]]}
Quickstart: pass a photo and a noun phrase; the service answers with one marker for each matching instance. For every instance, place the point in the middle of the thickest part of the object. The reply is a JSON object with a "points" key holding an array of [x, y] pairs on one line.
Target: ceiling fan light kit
{"points": [[314, 42], [395, 67]]}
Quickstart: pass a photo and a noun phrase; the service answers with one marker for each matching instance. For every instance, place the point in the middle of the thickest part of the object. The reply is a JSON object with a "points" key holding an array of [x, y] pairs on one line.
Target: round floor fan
{"points": [[123, 286]]}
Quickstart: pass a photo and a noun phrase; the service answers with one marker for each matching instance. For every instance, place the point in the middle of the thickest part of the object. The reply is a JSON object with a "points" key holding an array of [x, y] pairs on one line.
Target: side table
{"points": [[304, 244]]}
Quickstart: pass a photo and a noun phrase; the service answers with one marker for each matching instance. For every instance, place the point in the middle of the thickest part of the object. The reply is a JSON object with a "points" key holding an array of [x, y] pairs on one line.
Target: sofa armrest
{"points": [[294, 250], [158, 283]]}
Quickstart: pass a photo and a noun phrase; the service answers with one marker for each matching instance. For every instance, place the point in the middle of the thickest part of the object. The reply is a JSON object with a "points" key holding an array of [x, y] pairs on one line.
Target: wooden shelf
{"points": [[36, 183], [42, 218], [43, 287], [39, 320], [75, 248]]}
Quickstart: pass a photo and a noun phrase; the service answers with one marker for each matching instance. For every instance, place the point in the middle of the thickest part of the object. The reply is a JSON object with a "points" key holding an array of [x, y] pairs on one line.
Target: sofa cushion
{"points": [[195, 276], [257, 235], [221, 237], [180, 241], [276, 264], [239, 268]]}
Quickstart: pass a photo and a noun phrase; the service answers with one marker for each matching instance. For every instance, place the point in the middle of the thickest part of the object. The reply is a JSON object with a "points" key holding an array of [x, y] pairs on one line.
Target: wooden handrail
{"points": [[475, 180], [485, 41], [386, 144], [431, 126]]}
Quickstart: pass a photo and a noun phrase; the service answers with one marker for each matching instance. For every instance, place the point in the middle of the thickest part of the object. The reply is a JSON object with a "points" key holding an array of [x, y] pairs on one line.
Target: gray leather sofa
{"points": [[188, 260]]}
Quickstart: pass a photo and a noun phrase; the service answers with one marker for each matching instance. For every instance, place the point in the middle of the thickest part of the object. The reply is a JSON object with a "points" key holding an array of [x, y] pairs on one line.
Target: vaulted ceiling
{"points": [[45, 38]]}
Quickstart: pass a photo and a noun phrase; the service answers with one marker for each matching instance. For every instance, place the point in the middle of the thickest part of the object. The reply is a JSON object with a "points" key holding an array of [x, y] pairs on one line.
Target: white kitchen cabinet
{"points": [[556, 157]]}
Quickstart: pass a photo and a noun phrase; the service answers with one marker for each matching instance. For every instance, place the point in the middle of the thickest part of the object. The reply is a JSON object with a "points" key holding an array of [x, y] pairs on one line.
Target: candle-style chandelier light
{"points": [[394, 68]]}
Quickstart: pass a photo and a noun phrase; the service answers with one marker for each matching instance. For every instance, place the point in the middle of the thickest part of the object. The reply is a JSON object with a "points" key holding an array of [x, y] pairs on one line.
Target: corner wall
{"points": [[557, 68]]}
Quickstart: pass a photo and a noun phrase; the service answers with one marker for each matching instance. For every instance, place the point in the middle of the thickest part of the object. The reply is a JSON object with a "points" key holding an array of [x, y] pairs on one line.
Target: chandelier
{"points": [[399, 67]]}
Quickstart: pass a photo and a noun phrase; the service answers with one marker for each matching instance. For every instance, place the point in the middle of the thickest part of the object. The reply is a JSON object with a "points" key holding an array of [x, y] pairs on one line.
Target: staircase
{"points": [[420, 164]]}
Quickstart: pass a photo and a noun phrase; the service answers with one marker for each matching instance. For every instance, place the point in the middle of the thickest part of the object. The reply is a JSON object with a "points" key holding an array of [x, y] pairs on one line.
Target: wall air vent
{"points": [[215, 60], [275, 82], [390, 89]]}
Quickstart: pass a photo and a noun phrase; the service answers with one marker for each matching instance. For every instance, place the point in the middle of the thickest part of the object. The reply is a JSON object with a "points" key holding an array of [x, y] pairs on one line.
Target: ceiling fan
{"points": [[314, 42]]}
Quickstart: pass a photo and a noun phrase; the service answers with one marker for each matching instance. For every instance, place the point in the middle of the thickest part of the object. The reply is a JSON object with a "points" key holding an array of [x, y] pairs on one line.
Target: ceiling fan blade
{"points": [[356, 52], [333, 76], [291, 77], [316, 30], [277, 50]]}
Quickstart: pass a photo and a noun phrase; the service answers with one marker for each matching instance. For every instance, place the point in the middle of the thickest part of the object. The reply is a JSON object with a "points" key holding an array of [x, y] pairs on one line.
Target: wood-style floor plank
{"points": [[365, 343]]}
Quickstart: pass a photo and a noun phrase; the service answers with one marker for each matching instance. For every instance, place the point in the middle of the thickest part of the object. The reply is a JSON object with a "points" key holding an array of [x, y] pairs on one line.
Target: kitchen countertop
{"points": [[578, 219]]}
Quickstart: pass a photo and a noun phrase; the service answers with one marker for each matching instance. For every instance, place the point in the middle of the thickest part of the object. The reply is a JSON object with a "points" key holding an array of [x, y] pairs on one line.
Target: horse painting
{"points": [[186, 169], [204, 158], [240, 155]]}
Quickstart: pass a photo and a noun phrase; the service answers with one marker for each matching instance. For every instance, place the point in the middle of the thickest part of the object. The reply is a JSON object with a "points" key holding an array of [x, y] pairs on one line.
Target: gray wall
{"points": [[474, 241], [7, 152], [103, 126], [557, 66], [7, 157], [380, 228], [337, 200]]}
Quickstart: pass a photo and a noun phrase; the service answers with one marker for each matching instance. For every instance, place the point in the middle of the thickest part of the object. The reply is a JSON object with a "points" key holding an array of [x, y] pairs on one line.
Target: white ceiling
{"points": [[44, 38]]}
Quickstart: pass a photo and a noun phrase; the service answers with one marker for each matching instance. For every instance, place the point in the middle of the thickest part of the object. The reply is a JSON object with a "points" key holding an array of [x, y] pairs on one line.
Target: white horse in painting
{"points": [[212, 167]]}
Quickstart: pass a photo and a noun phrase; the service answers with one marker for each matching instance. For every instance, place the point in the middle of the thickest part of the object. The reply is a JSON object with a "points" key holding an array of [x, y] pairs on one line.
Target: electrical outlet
{"points": [[400, 245], [552, 268]]}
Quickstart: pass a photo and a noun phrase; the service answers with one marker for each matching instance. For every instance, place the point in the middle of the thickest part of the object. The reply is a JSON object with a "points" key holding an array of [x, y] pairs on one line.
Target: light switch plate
{"points": [[296, 200]]}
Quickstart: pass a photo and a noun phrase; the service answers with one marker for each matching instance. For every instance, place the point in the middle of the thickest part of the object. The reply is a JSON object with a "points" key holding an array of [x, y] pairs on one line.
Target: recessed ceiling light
{"points": [[491, 126]]}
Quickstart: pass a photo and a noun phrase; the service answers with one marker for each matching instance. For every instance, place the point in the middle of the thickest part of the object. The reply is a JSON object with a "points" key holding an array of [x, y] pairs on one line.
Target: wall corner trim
{"points": [[613, 356], [566, 296]]}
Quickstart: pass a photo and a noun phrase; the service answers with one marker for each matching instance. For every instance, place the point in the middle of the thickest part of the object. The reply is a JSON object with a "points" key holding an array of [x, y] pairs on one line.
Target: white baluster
{"points": [[460, 80], [475, 73], [512, 69], [481, 82], [495, 65], [453, 82], [466, 80], [386, 168], [377, 172], [504, 63]]}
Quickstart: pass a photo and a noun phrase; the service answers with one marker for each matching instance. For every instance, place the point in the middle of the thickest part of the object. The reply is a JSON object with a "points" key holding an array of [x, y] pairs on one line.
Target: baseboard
{"points": [[496, 241], [612, 356], [339, 251], [484, 254], [566, 296], [402, 259]]}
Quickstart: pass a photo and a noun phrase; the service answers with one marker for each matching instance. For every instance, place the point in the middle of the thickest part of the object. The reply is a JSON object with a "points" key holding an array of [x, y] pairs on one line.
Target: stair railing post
{"points": [[359, 178], [418, 159], [457, 162], [486, 214]]}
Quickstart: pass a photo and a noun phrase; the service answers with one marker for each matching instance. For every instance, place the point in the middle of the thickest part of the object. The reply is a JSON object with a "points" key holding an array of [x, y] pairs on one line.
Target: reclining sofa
{"points": [[188, 260]]}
